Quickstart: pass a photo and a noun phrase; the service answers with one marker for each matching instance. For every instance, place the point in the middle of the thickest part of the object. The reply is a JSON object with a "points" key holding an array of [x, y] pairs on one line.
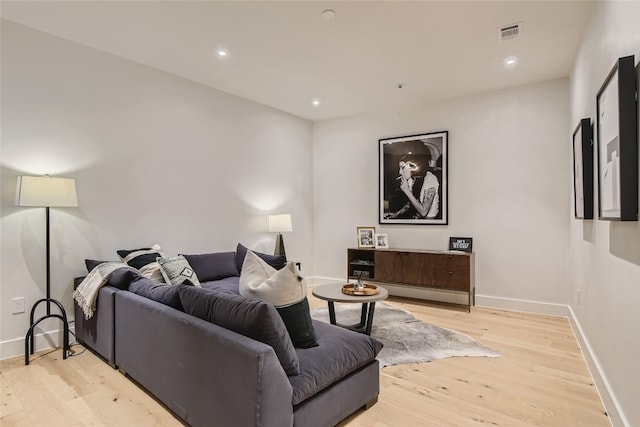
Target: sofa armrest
{"points": [[97, 333], [206, 374]]}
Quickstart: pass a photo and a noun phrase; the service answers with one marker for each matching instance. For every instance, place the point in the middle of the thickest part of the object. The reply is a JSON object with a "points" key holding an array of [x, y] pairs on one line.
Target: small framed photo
{"points": [[366, 237], [382, 241], [464, 244]]}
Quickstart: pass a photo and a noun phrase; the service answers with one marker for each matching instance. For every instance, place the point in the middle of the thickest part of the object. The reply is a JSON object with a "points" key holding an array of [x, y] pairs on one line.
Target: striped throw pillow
{"points": [[144, 259]]}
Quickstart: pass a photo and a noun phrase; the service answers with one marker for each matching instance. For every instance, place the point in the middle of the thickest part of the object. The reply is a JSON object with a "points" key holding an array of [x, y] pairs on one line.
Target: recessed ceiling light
{"points": [[315, 102], [511, 61], [222, 52]]}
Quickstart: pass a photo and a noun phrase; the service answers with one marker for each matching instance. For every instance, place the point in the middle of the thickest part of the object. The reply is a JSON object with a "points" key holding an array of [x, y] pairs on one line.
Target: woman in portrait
{"points": [[420, 186]]}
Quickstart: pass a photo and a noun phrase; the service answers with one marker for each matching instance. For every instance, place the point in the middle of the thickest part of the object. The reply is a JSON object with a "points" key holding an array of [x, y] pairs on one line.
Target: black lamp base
{"points": [[30, 340], [279, 250]]}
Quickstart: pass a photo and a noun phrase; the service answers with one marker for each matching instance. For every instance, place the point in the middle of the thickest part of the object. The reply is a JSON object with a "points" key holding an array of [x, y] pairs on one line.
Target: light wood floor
{"points": [[541, 380]]}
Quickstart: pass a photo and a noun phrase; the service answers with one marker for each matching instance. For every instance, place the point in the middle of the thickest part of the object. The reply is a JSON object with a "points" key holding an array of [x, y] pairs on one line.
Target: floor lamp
{"points": [[44, 191], [279, 224]]}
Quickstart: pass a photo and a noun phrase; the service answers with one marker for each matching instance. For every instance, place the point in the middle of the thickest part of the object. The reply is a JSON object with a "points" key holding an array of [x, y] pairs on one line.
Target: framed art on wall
{"points": [[583, 170], [413, 179], [617, 118]]}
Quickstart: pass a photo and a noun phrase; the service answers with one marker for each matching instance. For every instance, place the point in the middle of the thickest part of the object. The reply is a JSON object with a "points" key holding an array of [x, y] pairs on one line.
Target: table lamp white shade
{"points": [[46, 191], [280, 223]]}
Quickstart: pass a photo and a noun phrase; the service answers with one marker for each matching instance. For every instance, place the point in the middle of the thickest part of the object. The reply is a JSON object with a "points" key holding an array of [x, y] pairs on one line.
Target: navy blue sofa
{"points": [[213, 375]]}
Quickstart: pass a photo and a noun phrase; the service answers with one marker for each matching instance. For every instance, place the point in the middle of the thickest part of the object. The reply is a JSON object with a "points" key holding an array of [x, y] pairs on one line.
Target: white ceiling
{"points": [[285, 54]]}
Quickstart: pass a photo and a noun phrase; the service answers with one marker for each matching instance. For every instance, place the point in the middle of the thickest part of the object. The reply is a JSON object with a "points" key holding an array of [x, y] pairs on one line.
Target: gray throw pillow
{"points": [[177, 271]]}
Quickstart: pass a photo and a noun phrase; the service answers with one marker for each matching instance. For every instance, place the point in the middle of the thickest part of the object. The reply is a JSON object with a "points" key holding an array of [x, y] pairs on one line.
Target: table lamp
{"points": [[44, 191], [279, 224]]}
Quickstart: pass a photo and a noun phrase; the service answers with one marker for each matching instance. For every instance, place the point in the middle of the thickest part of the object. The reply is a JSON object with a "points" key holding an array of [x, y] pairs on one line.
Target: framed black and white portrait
{"points": [[583, 170], [617, 118], [413, 174]]}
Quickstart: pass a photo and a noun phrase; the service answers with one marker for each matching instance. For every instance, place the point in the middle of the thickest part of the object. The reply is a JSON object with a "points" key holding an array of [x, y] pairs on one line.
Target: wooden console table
{"points": [[423, 269]]}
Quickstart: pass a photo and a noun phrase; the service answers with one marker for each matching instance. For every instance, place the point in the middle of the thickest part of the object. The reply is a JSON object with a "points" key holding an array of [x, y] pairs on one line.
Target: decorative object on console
{"points": [[144, 259], [286, 290], [617, 125], [464, 244], [413, 173], [583, 170], [47, 192], [382, 241], [280, 224], [177, 271], [366, 237]]}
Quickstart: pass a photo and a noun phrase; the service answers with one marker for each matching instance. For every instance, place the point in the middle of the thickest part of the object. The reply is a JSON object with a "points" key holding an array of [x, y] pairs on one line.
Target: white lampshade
{"points": [[46, 191], [280, 223]]}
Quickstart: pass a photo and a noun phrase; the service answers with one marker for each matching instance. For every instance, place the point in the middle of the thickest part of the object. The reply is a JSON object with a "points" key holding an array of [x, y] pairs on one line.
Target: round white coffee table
{"points": [[332, 293]]}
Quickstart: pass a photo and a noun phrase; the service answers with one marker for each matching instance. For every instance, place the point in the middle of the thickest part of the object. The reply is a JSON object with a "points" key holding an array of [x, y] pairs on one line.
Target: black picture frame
{"points": [[617, 124], [464, 244], [583, 170], [419, 163]]}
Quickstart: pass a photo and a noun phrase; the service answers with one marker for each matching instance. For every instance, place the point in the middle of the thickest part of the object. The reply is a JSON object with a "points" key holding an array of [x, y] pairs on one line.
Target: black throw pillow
{"points": [[297, 319], [213, 266], [276, 261]]}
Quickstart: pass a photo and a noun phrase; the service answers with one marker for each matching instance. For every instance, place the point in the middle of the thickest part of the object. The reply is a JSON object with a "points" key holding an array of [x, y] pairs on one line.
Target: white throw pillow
{"points": [[279, 287]]}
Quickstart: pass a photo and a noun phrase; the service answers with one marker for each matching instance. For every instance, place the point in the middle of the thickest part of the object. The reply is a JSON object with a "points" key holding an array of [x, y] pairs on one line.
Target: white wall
{"points": [[157, 159], [605, 256], [508, 187]]}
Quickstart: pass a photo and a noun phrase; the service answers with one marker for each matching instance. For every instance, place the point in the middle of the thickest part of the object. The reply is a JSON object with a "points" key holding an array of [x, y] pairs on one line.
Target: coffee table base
{"points": [[366, 318]]}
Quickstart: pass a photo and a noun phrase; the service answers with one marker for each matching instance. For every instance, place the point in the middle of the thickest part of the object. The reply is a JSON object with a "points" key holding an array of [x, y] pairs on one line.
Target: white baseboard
{"points": [[616, 416], [526, 306], [611, 405], [44, 340], [461, 298]]}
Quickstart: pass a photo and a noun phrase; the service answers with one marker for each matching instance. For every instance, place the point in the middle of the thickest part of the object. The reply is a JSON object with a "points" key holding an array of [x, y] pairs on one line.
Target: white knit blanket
{"points": [[87, 291]]}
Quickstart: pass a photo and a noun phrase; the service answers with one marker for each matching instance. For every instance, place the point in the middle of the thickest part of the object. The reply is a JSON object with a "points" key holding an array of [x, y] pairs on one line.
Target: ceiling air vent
{"points": [[509, 32]]}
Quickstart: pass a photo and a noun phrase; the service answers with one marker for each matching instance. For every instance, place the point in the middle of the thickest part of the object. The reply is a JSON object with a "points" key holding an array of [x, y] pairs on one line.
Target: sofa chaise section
{"points": [[206, 374]]}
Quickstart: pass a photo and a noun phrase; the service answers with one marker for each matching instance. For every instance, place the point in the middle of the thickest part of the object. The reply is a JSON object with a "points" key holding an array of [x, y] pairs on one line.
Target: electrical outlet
{"points": [[18, 305]]}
